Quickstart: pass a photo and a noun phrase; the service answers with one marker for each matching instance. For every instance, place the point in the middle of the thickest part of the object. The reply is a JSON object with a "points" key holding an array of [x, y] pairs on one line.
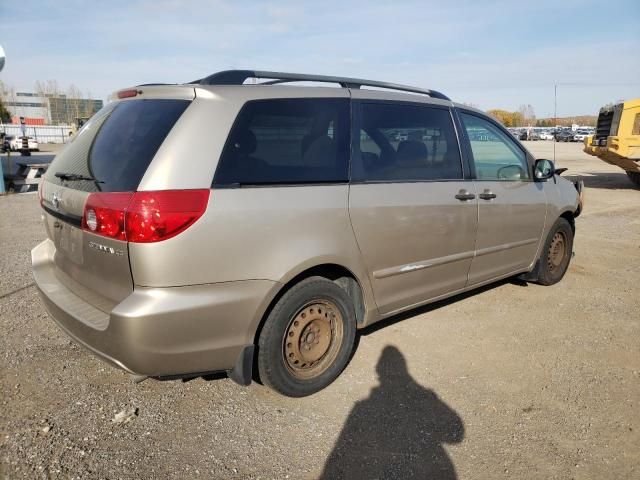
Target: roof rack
{"points": [[238, 77]]}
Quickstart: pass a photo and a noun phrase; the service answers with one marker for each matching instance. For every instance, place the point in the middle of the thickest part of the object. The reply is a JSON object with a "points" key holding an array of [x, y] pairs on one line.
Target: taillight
{"points": [[155, 216], [143, 217], [104, 214], [128, 93]]}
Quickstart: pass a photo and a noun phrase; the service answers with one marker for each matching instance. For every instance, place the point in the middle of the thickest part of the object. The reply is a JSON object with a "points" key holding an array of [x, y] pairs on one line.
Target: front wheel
{"points": [[307, 338], [634, 177], [556, 253]]}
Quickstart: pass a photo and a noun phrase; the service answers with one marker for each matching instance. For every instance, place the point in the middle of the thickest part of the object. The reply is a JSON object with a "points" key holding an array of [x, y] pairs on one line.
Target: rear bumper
{"points": [[159, 331]]}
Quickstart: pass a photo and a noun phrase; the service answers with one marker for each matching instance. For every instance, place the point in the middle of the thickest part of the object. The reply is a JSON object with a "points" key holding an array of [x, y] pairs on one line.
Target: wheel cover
{"points": [[557, 251], [312, 339]]}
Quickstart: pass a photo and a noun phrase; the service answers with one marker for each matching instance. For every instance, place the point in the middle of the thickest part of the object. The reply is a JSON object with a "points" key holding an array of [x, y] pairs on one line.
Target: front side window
{"points": [[287, 141], [399, 142], [495, 155]]}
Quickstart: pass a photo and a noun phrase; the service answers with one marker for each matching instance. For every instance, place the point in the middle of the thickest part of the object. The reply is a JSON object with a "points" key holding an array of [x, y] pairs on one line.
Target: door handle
{"points": [[487, 194], [465, 195]]}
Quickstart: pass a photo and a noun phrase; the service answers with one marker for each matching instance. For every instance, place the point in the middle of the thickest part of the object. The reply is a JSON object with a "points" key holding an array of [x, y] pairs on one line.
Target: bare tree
{"points": [[74, 96], [87, 111], [47, 90], [527, 115], [8, 93]]}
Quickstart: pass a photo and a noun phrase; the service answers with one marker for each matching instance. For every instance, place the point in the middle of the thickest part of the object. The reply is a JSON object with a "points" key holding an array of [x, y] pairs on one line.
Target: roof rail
{"points": [[238, 77]]}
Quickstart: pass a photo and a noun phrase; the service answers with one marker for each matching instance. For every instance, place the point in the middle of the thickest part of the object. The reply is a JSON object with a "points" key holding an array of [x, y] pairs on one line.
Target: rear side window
{"points": [[287, 141], [402, 142], [117, 145]]}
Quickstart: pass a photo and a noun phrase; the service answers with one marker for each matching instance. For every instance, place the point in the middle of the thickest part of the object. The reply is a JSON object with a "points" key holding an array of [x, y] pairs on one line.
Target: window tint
{"points": [[495, 154], [405, 143], [117, 145], [287, 141]]}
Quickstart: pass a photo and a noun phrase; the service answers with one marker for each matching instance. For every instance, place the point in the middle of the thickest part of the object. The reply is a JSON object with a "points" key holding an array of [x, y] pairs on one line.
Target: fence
{"points": [[41, 133]]}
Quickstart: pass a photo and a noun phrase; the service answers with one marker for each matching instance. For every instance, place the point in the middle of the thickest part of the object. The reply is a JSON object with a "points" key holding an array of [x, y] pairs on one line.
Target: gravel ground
{"points": [[513, 381]]}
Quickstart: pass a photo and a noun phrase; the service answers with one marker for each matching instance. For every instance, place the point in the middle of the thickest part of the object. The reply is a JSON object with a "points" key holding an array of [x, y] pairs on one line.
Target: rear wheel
{"points": [[307, 338], [556, 253], [634, 177]]}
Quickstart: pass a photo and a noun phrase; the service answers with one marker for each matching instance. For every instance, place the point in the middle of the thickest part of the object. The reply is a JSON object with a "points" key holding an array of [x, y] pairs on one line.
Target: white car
{"points": [[15, 143], [580, 135], [546, 136]]}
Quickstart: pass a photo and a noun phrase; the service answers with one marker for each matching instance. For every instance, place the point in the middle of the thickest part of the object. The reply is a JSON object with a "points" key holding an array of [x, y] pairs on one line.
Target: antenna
{"points": [[555, 119]]}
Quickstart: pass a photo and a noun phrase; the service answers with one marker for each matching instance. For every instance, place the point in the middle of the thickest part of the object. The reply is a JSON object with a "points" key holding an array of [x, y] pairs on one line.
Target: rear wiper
{"points": [[73, 177]]}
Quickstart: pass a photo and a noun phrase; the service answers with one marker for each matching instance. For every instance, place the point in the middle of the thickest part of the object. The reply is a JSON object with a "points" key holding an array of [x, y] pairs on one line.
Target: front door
{"points": [[413, 214], [512, 207]]}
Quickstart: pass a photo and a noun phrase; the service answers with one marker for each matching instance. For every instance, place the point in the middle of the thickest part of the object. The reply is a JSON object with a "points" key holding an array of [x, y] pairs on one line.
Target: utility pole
{"points": [[555, 117]]}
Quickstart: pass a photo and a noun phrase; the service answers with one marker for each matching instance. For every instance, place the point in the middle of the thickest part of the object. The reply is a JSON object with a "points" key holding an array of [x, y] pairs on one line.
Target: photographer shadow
{"points": [[397, 432]]}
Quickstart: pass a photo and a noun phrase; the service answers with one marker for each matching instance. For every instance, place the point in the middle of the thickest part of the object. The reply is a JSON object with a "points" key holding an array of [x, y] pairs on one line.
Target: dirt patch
{"points": [[513, 381]]}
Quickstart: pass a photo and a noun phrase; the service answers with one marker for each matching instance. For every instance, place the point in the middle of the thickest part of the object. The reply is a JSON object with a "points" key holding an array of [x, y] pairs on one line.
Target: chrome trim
{"points": [[412, 267]]}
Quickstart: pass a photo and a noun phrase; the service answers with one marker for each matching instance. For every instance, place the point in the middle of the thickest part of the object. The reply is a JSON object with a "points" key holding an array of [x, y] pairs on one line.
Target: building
{"points": [[49, 109], [28, 105]]}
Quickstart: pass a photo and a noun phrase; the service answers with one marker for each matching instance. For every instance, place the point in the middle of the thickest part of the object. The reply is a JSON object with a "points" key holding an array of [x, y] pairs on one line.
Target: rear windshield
{"points": [[117, 145], [287, 141]]}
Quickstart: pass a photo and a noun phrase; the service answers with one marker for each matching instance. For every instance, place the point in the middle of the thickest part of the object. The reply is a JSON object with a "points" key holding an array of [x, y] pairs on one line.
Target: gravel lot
{"points": [[514, 381]]}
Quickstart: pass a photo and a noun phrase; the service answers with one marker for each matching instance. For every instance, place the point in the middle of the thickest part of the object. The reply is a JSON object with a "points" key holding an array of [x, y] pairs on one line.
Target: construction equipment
{"points": [[617, 137]]}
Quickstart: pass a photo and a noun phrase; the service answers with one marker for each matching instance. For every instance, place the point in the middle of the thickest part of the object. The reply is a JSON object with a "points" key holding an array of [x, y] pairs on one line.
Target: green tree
{"points": [[5, 116]]}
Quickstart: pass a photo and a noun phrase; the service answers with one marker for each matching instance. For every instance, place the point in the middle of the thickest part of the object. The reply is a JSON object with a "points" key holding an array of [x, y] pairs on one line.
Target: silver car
{"points": [[254, 228]]}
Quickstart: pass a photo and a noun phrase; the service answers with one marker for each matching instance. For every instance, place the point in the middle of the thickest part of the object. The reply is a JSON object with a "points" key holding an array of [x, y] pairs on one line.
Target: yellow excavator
{"points": [[617, 137]]}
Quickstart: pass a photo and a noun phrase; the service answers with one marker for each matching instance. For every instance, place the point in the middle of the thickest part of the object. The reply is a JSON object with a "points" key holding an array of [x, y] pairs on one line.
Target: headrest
{"points": [[321, 149], [411, 153], [245, 142]]}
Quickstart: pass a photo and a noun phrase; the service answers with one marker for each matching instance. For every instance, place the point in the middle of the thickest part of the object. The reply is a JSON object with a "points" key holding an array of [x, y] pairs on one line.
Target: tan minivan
{"points": [[253, 228]]}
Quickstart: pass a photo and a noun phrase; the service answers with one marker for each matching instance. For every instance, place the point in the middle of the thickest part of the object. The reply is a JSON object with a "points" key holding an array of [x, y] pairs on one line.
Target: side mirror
{"points": [[544, 169], [511, 172]]}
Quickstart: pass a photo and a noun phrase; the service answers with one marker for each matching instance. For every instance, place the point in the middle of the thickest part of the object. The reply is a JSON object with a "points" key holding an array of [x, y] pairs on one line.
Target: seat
{"points": [[412, 153], [244, 165], [320, 153]]}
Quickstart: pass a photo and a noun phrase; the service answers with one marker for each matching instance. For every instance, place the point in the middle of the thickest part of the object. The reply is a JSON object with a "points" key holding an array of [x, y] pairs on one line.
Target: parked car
{"points": [[14, 143], [580, 135], [530, 135], [291, 224], [546, 135], [564, 136]]}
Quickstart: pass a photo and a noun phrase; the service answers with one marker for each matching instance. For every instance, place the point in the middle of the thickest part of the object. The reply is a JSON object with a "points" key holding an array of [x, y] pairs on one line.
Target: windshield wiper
{"points": [[73, 177]]}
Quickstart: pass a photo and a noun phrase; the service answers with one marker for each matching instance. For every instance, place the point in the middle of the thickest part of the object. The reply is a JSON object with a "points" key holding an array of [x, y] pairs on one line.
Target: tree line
{"points": [[525, 117]]}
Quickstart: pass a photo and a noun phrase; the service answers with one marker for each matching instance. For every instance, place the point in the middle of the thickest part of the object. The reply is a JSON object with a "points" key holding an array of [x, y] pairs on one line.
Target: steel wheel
{"points": [[312, 340], [557, 251]]}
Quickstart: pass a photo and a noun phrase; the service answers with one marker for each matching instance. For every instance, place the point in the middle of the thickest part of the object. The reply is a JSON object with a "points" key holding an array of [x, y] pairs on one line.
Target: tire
{"points": [[634, 177], [319, 317], [556, 253]]}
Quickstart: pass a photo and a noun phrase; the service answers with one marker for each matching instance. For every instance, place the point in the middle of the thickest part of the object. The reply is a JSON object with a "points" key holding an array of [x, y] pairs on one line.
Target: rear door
{"points": [[511, 206], [114, 148], [413, 213]]}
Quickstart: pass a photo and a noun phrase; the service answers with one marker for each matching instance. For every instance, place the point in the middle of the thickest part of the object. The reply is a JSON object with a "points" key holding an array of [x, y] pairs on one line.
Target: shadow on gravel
{"points": [[605, 180], [8, 294], [397, 432]]}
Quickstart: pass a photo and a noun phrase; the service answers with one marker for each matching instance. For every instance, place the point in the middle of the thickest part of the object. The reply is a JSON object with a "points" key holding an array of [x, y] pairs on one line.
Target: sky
{"points": [[489, 54]]}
